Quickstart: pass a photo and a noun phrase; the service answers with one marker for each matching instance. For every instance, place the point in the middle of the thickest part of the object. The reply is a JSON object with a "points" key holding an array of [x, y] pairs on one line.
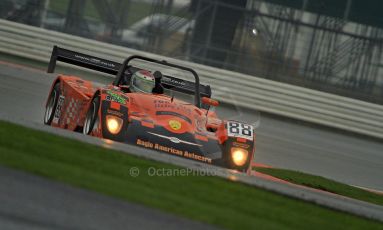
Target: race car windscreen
{"points": [[171, 76]]}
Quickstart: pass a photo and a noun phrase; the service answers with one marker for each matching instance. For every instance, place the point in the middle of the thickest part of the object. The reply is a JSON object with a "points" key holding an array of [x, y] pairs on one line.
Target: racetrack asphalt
{"points": [[349, 159], [33, 203]]}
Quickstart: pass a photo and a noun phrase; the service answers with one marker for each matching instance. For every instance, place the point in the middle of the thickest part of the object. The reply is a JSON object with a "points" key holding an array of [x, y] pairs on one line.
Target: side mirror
{"points": [[209, 101]]}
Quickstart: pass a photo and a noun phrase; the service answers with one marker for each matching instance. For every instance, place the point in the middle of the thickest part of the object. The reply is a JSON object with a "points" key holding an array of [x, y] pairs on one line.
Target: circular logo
{"points": [[175, 125], [134, 172]]}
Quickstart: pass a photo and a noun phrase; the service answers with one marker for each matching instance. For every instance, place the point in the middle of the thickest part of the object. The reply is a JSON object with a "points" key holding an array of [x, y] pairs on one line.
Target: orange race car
{"points": [[139, 108]]}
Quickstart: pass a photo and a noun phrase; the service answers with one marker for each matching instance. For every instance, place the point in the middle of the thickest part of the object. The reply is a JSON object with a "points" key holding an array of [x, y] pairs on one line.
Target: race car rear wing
{"points": [[82, 60], [118, 69]]}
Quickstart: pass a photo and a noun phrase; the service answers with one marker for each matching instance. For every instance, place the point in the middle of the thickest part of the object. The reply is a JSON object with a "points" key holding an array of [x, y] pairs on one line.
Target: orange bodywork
{"points": [[150, 120], [175, 117], [79, 93]]}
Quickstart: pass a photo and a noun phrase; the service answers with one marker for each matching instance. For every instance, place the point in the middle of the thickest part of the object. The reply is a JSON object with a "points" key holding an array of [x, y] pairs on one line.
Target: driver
{"points": [[142, 81]]}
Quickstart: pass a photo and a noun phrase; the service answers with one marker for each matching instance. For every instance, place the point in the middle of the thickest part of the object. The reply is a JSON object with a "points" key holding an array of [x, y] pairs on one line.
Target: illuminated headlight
{"points": [[113, 124], [239, 156]]}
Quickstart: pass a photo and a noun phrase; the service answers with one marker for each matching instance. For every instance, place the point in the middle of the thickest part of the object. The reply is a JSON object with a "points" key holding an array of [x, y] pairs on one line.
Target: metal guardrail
{"points": [[245, 90]]}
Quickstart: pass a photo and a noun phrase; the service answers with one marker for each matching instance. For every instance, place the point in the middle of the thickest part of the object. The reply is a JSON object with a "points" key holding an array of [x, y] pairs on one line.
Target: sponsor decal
{"points": [[111, 96], [241, 145], [175, 125], [164, 104], [174, 151], [60, 104], [95, 60], [174, 139], [173, 81], [114, 112]]}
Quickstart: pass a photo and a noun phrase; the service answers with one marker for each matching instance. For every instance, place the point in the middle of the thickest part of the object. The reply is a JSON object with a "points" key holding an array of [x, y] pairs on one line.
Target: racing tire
{"points": [[52, 104], [91, 115]]}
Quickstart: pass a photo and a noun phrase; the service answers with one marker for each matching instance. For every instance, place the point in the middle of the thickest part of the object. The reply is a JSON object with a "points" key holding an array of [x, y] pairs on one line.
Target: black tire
{"points": [[91, 115], [52, 104]]}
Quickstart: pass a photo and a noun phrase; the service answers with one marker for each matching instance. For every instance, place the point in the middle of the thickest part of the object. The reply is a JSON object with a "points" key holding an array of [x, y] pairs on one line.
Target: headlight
{"points": [[113, 124], [239, 156]]}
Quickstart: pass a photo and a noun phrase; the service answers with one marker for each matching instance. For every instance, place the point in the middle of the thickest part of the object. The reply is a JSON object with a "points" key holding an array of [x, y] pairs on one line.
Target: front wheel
{"points": [[91, 115], [52, 104]]}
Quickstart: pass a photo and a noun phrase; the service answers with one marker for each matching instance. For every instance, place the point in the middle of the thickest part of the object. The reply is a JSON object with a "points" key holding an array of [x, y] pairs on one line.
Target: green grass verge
{"points": [[208, 199], [322, 183]]}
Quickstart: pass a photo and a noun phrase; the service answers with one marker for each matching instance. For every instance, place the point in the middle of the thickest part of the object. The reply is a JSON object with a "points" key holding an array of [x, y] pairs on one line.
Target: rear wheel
{"points": [[91, 115], [52, 104]]}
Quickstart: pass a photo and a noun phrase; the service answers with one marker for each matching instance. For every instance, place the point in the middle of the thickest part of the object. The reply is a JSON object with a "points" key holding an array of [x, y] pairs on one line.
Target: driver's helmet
{"points": [[142, 81]]}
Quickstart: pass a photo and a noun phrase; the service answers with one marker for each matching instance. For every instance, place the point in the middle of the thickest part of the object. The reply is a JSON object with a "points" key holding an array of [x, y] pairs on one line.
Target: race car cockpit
{"points": [[142, 81]]}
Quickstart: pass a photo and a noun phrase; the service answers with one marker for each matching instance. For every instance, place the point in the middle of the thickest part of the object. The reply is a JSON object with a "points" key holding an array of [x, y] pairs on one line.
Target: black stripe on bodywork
{"points": [[211, 149], [170, 113]]}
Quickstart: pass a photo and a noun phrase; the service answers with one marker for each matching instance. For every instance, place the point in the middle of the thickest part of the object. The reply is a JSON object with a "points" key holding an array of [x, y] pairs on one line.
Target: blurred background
{"points": [[328, 45]]}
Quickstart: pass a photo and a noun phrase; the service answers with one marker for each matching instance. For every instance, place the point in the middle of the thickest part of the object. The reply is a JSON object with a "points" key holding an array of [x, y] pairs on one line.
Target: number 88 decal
{"points": [[235, 129]]}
